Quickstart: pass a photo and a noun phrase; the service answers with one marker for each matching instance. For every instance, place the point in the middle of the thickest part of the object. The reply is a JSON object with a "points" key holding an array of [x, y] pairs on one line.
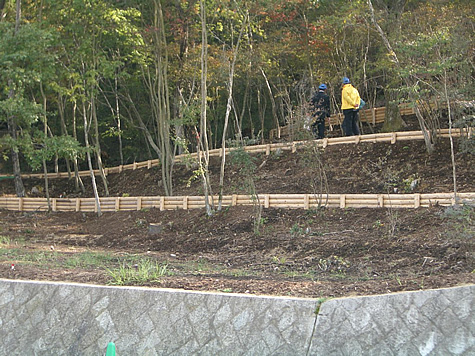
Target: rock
{"points": [[35, 191], [155, 229]]}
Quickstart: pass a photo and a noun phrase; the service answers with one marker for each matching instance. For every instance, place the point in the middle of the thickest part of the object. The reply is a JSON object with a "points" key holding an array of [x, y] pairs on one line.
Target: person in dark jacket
{"points": [[321, 110]]}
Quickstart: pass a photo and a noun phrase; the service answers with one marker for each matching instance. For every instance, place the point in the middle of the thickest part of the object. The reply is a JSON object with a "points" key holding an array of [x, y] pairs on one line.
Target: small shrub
{"points": [[461, 220], [296, 230], [141, 223]]}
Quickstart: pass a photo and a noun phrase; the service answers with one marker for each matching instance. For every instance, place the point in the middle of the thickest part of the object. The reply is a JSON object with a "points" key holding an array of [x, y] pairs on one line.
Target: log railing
{"points": [[391, 137], [371, 116], [288, 201]]}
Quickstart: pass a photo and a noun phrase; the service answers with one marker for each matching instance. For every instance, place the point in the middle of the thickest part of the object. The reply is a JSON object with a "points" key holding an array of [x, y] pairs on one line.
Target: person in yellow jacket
{"points": [[350, 103]]}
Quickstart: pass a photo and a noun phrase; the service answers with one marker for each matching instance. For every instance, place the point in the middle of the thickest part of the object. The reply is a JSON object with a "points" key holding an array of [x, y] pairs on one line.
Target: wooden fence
{"points": [[371, 116], [289, 201], [391, 137]]}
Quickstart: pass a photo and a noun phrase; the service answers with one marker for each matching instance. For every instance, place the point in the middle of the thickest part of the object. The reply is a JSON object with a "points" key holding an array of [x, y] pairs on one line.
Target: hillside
{"points": [[346, 169], [305, 253]]}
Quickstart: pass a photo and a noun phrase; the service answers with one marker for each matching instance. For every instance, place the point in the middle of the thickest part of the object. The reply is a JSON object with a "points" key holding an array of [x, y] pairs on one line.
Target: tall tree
{"points": [[235, 51], [203, 144], [11, 119], [426, 130]]}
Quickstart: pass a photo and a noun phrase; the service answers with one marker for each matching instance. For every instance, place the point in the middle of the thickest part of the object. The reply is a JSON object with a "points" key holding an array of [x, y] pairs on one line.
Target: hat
{"points": [[346, 80], [322, 87]]}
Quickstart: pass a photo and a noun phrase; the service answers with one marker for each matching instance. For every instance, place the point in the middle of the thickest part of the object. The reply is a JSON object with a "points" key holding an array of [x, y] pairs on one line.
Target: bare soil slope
{"points": [[305, 253]]}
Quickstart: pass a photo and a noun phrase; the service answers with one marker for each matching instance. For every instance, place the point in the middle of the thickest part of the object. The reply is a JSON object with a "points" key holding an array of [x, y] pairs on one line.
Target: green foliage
{"points": [[462, 221], [245, 162], [296, 230], [80, 56], [41, 148], [143, 271]]}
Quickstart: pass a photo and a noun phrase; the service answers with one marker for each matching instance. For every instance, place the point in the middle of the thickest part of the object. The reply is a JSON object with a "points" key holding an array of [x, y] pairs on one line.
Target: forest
{"points": [[86, 84]]}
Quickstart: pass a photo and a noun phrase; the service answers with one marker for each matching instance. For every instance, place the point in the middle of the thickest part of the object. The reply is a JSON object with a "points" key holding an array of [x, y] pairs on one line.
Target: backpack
{"points": [[362, 104]]}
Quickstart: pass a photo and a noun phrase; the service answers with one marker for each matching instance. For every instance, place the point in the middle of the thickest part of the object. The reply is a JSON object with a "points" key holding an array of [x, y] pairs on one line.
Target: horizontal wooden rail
{"points": [[391, 137], [288, 201], [372, 116]]}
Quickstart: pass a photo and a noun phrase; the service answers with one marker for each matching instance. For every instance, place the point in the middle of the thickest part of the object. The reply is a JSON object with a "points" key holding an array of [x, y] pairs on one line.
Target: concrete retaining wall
{"points": [[39, 318]]}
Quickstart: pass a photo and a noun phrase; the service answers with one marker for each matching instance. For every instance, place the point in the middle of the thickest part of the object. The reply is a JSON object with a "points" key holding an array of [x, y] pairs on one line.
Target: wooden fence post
{"points": [[417, 200], [393, 138], [342, 201], [325, 142], [162, 203], [139, 203]]}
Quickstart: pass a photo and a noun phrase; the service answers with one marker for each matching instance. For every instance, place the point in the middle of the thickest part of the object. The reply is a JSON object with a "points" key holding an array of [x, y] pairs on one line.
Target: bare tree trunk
{"points": [[45, 169], [12, 129], [119, 122], [274, 109], [261, 108], [89, 160], [115, 111], [422, 123], [77, 179], [97, 145], [12, 126], [238, 133], [164, 104], [203, 122], [64, 129], [228, 111], [452, 154], [393, 120], [159, 97]]}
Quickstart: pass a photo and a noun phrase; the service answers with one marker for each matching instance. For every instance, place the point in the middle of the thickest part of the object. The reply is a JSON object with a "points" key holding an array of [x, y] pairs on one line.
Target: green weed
{"points": [[5, 240], [226, 290], [296, 230], [143, 271], [88, 259], [460, 221], [141, 223], [279, 260]]}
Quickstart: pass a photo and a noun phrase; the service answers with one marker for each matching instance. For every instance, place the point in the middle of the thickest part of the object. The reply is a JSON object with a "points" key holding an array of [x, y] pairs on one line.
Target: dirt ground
{"points": [[315, 253]]}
